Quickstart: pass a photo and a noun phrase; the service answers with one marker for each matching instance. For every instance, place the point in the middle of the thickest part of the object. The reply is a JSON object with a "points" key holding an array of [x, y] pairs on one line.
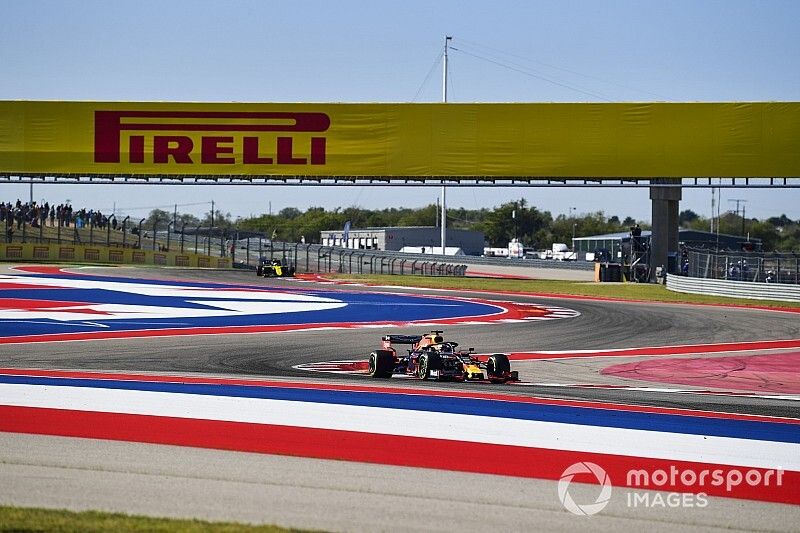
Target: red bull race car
{"points": [[431, 357]]}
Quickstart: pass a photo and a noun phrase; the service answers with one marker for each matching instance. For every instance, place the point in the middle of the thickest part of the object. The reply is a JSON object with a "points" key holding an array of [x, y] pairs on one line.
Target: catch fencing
{"points": [[756, 267], [330, 259], [753, 275], [244, 248]]}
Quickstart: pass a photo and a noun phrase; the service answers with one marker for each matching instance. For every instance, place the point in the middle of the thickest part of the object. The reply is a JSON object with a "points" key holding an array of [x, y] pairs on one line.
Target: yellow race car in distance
{"points": [[274, 268]]}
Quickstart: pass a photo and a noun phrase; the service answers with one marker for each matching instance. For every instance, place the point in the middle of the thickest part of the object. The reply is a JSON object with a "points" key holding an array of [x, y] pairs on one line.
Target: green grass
{"points": [[31, 519], [627, 291]]}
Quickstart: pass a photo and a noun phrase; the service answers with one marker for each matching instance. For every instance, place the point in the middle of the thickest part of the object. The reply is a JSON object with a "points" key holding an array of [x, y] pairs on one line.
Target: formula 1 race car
{"points": [[430, 357], [273, 268]]}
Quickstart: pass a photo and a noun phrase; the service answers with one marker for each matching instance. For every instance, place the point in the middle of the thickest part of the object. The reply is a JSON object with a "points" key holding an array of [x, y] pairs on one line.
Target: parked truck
{"points": [[561, 252]]}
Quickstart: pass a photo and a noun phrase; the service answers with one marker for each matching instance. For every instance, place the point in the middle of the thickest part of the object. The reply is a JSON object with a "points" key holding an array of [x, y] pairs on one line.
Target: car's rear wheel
{"points": [[498, 368], [259, 271], [428, 362], [381, 364]]}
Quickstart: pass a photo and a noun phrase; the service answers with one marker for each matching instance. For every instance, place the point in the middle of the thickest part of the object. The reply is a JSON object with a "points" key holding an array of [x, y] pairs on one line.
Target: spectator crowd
{"points": [[39, 215]]}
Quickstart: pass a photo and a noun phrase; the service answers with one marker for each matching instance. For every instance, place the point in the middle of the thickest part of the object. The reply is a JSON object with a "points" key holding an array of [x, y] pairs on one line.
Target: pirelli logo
{"points": [[210, 138]]}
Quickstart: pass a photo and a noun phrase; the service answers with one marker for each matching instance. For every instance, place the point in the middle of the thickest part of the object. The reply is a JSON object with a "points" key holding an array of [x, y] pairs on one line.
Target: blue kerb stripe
{"points": [[720, 427]]}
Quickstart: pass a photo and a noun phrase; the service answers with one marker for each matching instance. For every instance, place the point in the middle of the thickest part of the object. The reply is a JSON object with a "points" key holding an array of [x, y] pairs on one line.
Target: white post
{"points": [[444, 220], [447, 40]]}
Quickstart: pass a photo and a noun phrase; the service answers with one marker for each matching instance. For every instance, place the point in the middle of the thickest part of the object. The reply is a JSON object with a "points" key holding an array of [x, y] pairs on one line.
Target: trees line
{"points": [[533, 227]]}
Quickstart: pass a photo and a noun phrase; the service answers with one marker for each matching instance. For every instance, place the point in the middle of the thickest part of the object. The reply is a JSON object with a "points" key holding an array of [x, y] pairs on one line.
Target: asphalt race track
{"points": [[601, 325], [178, 481]]}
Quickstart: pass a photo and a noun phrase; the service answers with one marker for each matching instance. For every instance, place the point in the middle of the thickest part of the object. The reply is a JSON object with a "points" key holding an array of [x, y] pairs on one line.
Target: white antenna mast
{"points": [[447, 40]]}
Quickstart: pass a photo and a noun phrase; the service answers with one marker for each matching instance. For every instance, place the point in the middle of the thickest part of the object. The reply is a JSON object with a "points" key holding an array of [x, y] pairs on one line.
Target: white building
{"points": [[397, 238]]}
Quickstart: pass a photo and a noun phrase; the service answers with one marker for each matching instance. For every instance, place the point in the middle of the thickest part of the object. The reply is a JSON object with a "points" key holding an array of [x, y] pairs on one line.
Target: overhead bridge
{"points": [[663, 146], [402, 181]]}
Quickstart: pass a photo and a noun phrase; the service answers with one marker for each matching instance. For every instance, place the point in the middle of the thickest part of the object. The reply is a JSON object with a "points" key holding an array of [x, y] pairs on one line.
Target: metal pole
{"points": [[125, 231], [444, 219], [447, 40], [443, 226], [743, 223], [211, 228]]}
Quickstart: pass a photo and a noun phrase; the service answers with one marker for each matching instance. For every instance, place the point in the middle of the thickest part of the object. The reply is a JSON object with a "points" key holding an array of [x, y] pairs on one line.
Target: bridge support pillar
{"points": [[664, 239]]}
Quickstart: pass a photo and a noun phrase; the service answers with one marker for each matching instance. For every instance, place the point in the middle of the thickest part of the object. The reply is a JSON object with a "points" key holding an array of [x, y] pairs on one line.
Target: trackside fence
{"points": [[758, 267], [734, 289], [754, 275], [243, 248], [330, 259]]}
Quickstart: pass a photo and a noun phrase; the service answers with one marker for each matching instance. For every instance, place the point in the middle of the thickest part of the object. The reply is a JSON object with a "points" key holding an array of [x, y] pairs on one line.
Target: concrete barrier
{"points": [[734, 289]]}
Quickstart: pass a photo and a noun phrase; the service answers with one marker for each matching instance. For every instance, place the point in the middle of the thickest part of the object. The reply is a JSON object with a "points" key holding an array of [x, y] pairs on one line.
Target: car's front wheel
{"points": [[428, 362], [498, 368]]}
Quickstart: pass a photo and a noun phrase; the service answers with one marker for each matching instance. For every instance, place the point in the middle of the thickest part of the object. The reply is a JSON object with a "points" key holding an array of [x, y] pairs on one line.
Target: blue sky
{"points": [[353, 51]]}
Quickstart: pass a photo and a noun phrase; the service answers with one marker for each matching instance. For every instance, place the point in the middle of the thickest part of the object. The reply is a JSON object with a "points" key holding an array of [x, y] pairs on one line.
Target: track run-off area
{"points": [[219, 395]]}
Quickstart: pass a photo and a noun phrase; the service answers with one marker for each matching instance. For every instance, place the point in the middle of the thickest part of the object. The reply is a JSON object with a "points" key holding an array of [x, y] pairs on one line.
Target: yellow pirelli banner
{"points": [[87, 253], [626, 140]]}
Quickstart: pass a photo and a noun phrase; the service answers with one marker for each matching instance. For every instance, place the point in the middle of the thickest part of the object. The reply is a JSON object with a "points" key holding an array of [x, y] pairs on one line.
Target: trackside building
{"points": [[395, 239]]}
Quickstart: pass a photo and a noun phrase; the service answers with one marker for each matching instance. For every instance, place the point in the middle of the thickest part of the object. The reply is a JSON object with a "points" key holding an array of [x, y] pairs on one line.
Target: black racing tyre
{"points": [[498, 368], [427, 362], [259, 270], [381, 364]]}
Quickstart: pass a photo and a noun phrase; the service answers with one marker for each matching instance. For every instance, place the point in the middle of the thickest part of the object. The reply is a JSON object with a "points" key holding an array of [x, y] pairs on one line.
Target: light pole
{"points": [[514, 218], [443, 226], [574, 225]]}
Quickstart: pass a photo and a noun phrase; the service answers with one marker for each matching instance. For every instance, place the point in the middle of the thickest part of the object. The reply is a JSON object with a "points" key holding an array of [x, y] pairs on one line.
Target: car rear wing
{"points": [[402, 339]]}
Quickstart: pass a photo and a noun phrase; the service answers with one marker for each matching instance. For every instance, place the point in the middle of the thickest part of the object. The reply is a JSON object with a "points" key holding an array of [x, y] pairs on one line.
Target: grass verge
{"points": [[626, 291], [26, 519]]}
